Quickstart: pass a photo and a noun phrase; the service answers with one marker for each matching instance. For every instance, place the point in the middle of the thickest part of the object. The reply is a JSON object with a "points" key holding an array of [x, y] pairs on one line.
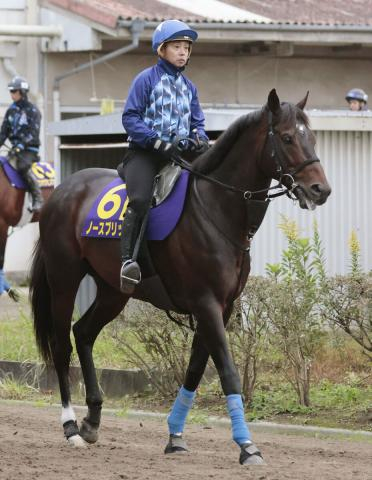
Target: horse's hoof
{"points": [[176, 444], [88, 432], [76, 441], [250, 455]]}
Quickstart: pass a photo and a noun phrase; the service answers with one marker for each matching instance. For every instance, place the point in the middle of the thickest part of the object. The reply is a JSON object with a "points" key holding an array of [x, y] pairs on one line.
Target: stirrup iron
{"points": [[128, 283]]}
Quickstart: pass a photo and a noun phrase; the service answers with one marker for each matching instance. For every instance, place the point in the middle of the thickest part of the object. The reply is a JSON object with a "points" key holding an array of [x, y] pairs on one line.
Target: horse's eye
{"points": [[287, 139]]}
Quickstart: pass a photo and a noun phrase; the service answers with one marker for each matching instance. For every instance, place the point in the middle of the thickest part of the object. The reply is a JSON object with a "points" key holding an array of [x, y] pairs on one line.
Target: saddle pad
{"points": [[106, 215], [42, 171]]}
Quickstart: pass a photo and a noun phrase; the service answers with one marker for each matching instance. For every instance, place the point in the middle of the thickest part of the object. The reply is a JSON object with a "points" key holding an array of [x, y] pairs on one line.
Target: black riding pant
{"points": [[25, 159], [138, 170]]}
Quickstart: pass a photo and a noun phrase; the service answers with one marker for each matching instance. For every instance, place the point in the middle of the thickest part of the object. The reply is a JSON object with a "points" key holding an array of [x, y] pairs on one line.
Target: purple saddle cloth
{"points": [[105, 217], [42, 171]]}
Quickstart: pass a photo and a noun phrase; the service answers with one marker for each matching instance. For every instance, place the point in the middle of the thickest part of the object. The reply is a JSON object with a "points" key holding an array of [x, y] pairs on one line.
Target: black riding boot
{"points": [[130, 273], [34, 189]]}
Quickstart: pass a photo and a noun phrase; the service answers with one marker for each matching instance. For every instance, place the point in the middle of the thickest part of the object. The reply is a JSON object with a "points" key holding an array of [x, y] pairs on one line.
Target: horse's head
{"points": [[289, 153]]}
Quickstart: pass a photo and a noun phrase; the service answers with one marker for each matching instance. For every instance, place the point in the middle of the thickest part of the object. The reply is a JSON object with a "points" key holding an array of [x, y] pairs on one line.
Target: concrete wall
{"points": [[220, 79]]}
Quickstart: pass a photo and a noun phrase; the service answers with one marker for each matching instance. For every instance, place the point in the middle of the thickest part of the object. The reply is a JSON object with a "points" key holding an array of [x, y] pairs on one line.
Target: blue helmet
{"points": [[357, 94], [170, 30]]}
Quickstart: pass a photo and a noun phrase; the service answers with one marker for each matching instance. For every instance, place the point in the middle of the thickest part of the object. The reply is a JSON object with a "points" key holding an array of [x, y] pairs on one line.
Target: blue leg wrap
{"points": [[240, 432], [4, 285], [176, 419]]}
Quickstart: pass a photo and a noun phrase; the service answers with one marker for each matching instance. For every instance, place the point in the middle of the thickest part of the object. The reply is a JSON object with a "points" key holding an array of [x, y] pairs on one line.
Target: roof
{"points": [[331, 12]]}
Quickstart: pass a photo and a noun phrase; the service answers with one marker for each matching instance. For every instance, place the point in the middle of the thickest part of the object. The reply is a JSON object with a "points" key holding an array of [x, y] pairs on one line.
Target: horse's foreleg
{"points": [[4, 285], [211, 327], [182, 405], [107, 305]]}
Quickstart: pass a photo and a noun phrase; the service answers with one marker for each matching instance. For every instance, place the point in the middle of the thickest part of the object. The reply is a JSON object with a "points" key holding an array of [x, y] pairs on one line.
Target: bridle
{"points": [[280, 170], [280, 164]]}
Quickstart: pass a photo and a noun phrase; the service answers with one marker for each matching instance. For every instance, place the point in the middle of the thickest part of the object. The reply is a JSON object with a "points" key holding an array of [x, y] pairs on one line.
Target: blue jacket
{"points": [[21, 125], [162, 103]]}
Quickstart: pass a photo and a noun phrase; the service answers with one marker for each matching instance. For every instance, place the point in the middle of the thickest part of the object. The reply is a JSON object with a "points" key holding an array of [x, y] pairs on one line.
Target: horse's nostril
{"points": [[320, 189], [316, 188]]}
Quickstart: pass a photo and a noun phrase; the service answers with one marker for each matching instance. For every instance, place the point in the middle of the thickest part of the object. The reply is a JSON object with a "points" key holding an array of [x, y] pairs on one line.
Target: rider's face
{"points": [[16, 95], [176, 53], [355, 105]]}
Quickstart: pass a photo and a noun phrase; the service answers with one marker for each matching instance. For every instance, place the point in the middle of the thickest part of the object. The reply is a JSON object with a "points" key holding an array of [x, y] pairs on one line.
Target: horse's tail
{"points": [[41, 304]]}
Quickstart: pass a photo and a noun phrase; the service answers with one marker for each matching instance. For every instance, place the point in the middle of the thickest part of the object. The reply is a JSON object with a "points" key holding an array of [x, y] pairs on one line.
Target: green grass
{"points": [[337, 403], [17, 343], [17, 340]]}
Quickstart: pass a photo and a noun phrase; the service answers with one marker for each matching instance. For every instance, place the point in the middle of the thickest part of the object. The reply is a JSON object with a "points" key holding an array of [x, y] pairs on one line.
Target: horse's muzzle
{"points": [[310, 197]]}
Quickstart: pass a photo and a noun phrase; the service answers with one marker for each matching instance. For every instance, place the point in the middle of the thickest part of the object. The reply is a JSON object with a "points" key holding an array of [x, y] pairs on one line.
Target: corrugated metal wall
{"points": [[73, 160], [347, 160]]}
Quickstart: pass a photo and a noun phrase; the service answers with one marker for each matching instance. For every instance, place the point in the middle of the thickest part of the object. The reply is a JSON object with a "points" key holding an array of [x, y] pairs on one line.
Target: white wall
{"points": [[19, 248]]}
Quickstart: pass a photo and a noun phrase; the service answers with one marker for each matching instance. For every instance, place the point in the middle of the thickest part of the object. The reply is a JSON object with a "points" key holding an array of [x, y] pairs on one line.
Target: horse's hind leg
{"points": [[107, 305], [62, 306]]}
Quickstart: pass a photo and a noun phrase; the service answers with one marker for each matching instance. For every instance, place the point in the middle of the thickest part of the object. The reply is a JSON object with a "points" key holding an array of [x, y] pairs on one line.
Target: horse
{"points": [[12, 200], [204, 263]]}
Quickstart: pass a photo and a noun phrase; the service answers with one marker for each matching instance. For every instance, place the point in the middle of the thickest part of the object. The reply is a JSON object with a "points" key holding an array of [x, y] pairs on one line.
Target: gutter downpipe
{"points": [[9, 67], [31, 30], [136, 27]]}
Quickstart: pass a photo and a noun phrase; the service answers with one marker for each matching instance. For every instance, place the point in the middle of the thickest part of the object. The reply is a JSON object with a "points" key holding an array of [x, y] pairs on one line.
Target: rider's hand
{"points": [[201, 147], [166, 149], [18, 148]]}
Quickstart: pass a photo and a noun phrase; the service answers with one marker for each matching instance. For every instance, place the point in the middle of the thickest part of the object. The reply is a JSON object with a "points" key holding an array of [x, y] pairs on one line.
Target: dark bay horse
{"points": [[204, 263], [11, 210]]}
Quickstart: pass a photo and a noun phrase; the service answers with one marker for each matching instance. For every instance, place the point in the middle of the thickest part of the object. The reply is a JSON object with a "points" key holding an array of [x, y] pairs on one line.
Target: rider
{"points": [[21, 126], [162, 105], [357, 99]]}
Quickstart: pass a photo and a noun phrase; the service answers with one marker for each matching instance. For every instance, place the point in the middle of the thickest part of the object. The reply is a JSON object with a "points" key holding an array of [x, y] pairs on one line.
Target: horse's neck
{"points": [[240, 167], [227, 209]]}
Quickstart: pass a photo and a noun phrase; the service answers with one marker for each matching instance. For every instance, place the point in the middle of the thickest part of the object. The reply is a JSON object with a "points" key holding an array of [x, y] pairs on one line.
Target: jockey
{"points": [[21, 126], [162, 104], [357, 99]]}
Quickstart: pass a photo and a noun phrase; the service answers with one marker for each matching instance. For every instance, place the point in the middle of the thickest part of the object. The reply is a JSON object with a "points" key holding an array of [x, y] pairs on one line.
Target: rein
{"points": [[280, 165]]}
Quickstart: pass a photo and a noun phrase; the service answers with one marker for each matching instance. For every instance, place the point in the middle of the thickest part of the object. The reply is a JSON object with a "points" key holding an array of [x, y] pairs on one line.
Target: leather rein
{"points": [[280, 167]]}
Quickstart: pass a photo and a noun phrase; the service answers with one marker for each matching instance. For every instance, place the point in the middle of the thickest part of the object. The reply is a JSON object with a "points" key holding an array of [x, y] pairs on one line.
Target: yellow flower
{"points": [[354, 244], [289, 228]]}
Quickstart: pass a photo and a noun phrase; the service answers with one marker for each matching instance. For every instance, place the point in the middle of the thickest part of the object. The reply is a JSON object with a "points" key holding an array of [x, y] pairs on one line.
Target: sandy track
{"points": [[32, 447]]}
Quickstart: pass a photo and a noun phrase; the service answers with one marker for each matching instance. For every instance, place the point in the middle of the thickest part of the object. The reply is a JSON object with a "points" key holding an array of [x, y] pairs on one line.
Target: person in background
{"points": [[21, 126], [162, 105], [357, 99]]}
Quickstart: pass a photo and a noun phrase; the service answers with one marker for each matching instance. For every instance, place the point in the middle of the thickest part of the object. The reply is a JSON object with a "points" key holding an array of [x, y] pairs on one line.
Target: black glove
{"points": [[201, 147], [166, 149]]}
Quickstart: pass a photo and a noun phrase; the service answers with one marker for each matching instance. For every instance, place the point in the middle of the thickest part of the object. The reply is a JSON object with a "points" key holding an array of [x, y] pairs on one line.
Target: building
{"points": [[78, 53]]}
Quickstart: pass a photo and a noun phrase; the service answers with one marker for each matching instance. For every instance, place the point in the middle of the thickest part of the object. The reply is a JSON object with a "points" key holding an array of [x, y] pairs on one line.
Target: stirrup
{"points": [[130, 276]]}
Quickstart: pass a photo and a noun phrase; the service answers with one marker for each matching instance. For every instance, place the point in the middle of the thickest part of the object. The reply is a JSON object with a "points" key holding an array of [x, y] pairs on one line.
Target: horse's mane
{"points": [[211, 159], [215, 155]]}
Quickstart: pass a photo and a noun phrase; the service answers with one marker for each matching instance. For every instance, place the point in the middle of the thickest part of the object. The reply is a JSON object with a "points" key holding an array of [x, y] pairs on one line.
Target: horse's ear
{"points": [[273, 102], [301, 104]]}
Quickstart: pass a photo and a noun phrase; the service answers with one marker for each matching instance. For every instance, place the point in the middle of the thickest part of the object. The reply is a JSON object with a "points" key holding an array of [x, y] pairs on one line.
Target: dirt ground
{"points": [[32, 447]]}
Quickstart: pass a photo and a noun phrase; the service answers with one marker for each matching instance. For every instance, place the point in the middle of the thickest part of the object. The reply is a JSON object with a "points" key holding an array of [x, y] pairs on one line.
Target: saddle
{"points": [[42, 171], [165, 181], [105, 217]]}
